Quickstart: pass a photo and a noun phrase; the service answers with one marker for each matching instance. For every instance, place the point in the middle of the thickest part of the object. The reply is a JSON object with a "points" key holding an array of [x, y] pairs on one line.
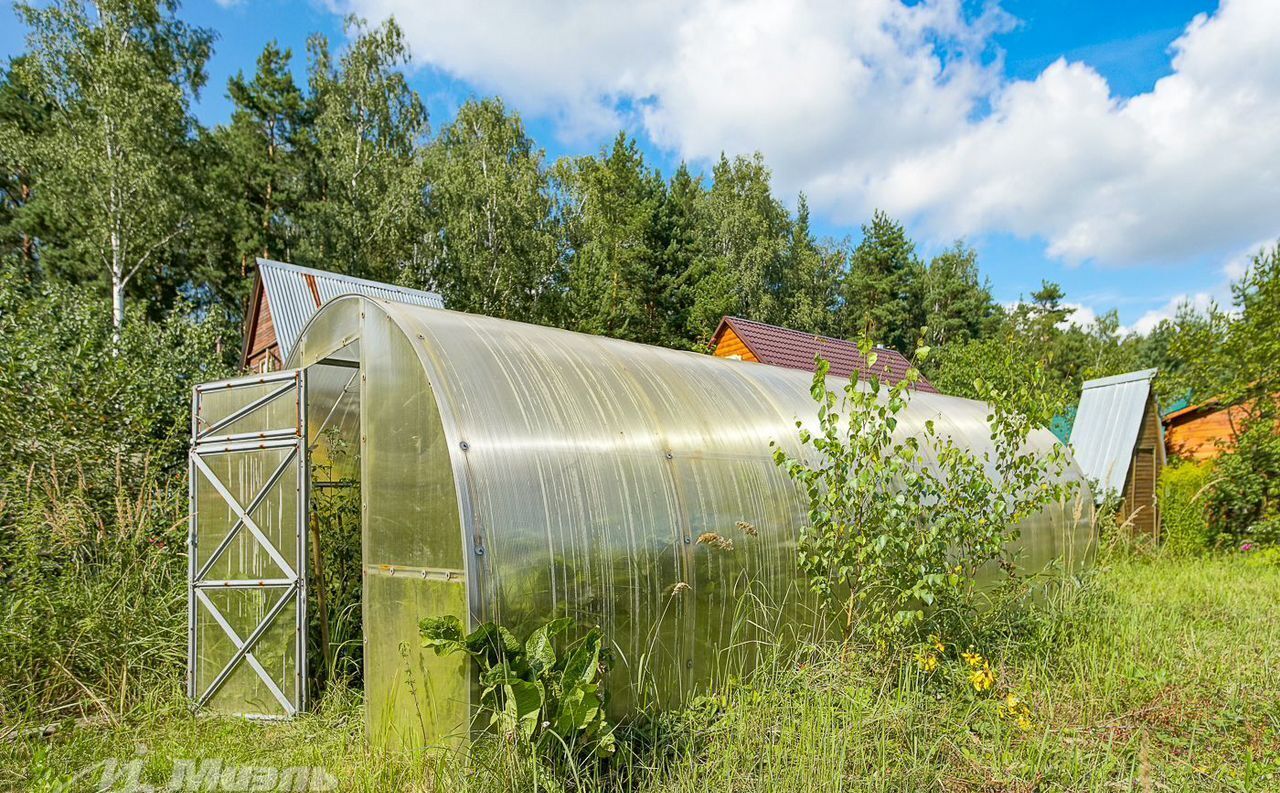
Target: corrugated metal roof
{"points": [[795, 349], [1107, 425], [292, 301]]}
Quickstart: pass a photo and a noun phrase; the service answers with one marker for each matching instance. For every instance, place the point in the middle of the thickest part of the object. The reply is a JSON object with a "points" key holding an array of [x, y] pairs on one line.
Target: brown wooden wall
{"points": [[262, 351], [731, 346], [1203, 435], [1144, 473]]}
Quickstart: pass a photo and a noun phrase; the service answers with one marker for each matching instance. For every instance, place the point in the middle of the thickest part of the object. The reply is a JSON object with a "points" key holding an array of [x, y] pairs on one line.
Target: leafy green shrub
{"points": [[92, 497], [1244, 502], [76, 406], [897, 542], [1182, 493], [550, 700]]}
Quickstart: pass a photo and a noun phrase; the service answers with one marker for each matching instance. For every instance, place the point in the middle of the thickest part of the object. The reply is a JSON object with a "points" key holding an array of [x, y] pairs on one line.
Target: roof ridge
{"points": [[314, 271], [1117, 379], [784, 328]]}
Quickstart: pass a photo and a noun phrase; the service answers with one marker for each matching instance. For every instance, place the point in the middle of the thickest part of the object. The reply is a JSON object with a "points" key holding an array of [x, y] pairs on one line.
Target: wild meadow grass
{"points": [[1160, 674]]}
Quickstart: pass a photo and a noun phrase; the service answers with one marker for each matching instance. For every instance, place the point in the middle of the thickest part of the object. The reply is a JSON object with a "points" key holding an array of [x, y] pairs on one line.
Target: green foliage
{"points": [[92, 497], [551, 700], [364, 208], [810, 288], [957, 304], [743, 231], [613, 231], [337, 570], [1235, 356], [1161, 671], [900, 540], [261, 170], [882, 298], [1244, 502], [1182, 495], [115, 178], [493, 246], [76, 406]]}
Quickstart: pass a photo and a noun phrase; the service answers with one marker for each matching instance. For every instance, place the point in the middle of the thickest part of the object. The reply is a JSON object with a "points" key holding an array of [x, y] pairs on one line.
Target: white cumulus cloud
{"points": [[874, 103]]}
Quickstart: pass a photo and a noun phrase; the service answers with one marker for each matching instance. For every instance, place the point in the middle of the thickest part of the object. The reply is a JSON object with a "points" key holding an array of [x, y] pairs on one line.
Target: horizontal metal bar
{"points": [[265, 583], [204, 450], [430, 573], [268, 377], [282, 432], [337, 362]]}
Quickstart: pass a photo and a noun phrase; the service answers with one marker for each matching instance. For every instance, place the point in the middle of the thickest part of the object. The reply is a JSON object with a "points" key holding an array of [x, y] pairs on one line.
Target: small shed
{"points": [[759, 342], [285, 296], [1118, 443]]}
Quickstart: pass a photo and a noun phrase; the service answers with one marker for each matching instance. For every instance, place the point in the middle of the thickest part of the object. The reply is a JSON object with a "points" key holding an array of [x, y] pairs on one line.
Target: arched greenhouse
{"points": [[506, 472]]}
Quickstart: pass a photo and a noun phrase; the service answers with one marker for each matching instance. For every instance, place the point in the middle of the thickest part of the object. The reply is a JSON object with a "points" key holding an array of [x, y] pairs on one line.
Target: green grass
{"points": [[1162, 675]]}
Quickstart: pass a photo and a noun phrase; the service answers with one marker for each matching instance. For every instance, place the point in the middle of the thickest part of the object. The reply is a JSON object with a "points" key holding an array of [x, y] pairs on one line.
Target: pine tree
{"points": [[263, 158], [23, 118], [615, 244], [678, 277], [882, 299], [810, 278]]}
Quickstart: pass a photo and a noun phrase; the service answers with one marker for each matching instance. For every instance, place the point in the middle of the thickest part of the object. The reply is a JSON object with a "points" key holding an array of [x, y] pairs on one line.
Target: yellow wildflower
{"points": [[972, 659], [1014, 708], [936, 641], [927, 661], [982, 678]]}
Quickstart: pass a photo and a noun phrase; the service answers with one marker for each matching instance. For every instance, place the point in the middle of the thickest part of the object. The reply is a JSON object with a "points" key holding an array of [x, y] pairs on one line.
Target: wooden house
{"points": [[1118, 444], [759, 342], [285, 296], [1204, 431]]}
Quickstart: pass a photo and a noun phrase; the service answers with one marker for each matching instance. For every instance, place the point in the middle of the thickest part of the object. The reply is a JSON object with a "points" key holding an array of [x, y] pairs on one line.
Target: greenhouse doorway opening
{"points": [[335, 633], [275, 541]]}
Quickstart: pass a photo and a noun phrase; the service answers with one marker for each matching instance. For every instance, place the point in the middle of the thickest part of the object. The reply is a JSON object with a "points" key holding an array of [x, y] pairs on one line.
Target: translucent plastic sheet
{"points": [[550, 473]]}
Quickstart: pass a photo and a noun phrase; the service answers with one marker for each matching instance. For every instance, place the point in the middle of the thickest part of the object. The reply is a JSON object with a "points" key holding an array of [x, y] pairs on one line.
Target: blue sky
{"points": [[1034, 128]]}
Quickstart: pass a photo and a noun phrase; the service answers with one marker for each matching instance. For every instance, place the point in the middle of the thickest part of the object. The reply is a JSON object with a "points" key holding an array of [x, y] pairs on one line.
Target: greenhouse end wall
{"points": [[516, 473]]}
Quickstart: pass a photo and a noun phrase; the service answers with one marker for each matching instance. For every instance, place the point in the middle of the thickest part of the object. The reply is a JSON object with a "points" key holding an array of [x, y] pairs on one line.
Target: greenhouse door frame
{"points": [[210, 438]]}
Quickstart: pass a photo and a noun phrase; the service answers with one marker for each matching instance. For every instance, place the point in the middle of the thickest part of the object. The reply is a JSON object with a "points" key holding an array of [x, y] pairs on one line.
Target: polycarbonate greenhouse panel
{"points": [[517, 473]]}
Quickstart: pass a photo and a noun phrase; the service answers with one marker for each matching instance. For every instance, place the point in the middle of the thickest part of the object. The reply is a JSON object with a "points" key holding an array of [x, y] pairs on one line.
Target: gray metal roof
{"points": [[292, 302], [1107, 425]]}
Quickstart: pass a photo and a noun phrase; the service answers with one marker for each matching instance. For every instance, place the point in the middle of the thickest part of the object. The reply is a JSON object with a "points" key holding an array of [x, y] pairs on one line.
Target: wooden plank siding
{"points": [[262, 351], [1205, 432], [731, 346], [1144, 473]]}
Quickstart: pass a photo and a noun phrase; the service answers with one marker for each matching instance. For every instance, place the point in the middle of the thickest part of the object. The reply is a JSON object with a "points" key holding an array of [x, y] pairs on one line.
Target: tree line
{"points": [[110, 181]]}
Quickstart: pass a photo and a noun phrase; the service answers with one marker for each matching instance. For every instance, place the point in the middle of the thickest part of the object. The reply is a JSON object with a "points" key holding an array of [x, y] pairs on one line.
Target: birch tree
{"points": [[365, 211], [494, 241], [115, 161]]}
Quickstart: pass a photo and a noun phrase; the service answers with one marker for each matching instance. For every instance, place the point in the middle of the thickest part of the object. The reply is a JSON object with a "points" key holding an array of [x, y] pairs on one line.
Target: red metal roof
{"points": [[796, 349]]}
